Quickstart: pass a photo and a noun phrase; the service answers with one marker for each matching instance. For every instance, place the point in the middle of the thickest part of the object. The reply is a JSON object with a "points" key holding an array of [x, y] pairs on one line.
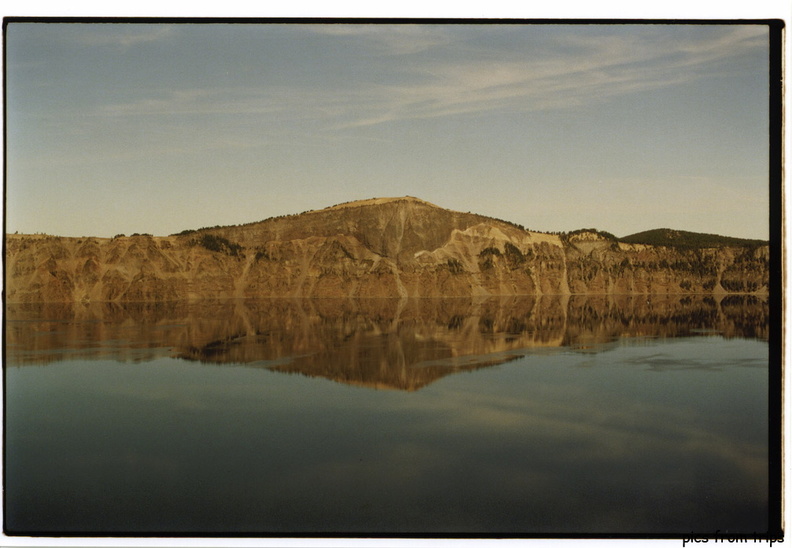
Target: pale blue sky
{"points": [[121, 128]]}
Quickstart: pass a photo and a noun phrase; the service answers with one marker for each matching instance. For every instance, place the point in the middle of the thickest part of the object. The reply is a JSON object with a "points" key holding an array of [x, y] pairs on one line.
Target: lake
{"points": [[521, 416]]}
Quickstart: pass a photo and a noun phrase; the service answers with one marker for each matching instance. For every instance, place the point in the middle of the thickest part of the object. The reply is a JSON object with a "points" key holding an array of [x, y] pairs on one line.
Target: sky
{"points": [[156, 128]]}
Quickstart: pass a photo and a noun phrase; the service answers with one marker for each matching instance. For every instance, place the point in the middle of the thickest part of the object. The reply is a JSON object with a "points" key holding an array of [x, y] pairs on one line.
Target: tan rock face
{"points": [[399, 247]]}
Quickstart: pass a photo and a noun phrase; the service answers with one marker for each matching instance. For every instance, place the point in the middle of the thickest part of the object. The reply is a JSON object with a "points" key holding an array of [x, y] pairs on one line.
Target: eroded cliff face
{"points": [[604, 266], [376, 248]]}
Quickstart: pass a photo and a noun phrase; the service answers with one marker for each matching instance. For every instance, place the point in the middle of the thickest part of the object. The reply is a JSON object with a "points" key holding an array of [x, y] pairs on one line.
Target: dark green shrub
{"points": [[455, 266], [514, 255], [218, 244], [490, 251]]}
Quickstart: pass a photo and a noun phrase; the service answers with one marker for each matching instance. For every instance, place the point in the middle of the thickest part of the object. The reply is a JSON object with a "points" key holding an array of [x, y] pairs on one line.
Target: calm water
{"points": [[285, 417]]}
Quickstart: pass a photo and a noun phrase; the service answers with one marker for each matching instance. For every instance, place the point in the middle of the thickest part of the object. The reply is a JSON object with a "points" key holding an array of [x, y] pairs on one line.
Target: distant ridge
{"points": [[681, 238], [381, 248], [369, 204], [657, 237]]}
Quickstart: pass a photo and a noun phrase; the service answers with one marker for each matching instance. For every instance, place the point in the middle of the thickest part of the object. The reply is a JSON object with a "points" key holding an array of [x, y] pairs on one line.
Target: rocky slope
{"points": [[392, 247]]}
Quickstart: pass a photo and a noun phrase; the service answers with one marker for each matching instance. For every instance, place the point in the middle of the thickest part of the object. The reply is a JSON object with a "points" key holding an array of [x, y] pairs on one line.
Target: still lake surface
{"points": [[515, 416]]}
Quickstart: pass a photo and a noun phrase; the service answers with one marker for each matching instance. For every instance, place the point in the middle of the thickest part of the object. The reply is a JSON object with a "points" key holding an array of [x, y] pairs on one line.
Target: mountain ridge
{"points": [[657, 236], [381, 247], [685, 238]]}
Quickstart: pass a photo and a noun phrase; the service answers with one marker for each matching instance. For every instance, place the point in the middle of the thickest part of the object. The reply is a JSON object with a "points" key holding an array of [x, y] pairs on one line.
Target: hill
{"points": [[396, 228], [382, 247], [681, 238]]}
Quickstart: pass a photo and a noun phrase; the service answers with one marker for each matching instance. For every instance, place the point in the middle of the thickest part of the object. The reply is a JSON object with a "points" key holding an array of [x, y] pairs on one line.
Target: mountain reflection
{"points": [[377, 343]]}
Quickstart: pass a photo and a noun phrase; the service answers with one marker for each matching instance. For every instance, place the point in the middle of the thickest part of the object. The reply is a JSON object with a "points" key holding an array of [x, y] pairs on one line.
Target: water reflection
{"points": [[377, 343], [599, 427]]}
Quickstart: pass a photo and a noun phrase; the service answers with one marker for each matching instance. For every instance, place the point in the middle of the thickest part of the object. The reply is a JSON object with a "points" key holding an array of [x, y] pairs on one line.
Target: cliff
{"points": [[388, 247]]}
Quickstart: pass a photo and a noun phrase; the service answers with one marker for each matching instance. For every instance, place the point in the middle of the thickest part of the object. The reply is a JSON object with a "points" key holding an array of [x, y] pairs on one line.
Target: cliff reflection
{"points": [[378, 343]]}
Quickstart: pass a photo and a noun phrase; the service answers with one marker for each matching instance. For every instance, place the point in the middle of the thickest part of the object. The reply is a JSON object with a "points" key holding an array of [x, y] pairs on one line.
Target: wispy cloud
{"points": [[587, 70], [576, 69], [390, 39], [273, 101], [121, 35]]}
